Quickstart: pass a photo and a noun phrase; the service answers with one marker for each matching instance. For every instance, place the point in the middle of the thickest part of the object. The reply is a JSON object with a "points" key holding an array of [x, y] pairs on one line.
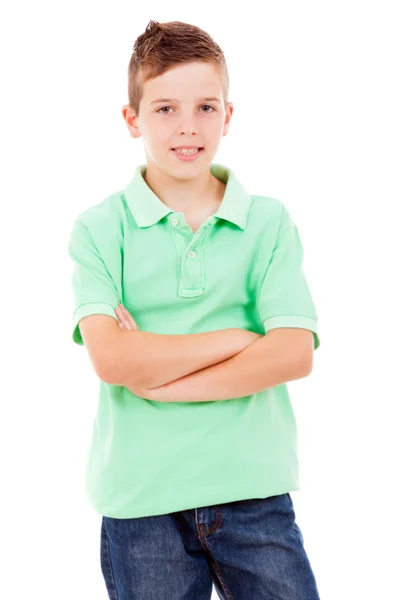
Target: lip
{"points": [[188, 158], [183, 147]]}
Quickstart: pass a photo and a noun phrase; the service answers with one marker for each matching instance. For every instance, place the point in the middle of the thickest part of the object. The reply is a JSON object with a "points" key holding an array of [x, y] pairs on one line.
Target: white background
{"points": [[315, 87]]}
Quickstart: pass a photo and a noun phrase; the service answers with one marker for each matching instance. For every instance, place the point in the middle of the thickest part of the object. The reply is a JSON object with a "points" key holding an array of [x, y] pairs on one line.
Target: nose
{"points": [[187, 124], [188, 129]]}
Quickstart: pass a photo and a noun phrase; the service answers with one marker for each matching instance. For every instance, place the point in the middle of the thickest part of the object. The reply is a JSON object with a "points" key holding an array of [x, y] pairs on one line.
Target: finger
{"points": [[121, 316], [129, 318]]}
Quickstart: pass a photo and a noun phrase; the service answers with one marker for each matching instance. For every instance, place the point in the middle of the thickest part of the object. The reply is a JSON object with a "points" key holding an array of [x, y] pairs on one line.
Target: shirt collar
{"points": [[148, 209]]}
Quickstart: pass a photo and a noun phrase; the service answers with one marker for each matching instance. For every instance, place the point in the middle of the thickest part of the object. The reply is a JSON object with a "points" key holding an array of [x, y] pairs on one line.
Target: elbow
{"points": [[108, 369], [107, 376], [124, 364], [304, 365], [103, 370], [117, 376], [106, 373]]}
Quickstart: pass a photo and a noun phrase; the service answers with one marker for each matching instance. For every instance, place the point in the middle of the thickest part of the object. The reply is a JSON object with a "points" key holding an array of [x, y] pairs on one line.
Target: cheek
{"points": [[160, 133], [214, 129]]}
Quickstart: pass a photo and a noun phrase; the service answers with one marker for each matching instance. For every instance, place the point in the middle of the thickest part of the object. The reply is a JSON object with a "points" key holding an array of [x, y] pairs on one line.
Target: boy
{"points": [[192, 303]]}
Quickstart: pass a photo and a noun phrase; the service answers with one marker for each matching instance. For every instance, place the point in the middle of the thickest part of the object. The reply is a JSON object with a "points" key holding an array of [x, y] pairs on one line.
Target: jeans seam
{"points": [[114, 591], [215, 565]]}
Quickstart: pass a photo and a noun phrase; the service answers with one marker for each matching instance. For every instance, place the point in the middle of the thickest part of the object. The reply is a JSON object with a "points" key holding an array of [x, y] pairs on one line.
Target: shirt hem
{"points": [[150, 511]]}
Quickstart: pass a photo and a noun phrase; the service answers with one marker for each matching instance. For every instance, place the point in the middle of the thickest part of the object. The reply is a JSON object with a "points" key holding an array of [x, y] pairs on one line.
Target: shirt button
{"points": [[191, 254], [174, 221]]}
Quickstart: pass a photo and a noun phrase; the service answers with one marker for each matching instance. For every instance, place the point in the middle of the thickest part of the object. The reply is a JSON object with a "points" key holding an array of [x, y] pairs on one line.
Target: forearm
{"points": [[258, 367], [151, 360]]}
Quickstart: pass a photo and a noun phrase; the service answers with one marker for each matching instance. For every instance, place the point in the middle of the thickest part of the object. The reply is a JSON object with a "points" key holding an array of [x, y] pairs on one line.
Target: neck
{"points": [[199, 194]]}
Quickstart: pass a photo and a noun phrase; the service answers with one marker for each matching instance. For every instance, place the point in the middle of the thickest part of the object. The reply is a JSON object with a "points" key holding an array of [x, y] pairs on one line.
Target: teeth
{"points": [[187, 151]]}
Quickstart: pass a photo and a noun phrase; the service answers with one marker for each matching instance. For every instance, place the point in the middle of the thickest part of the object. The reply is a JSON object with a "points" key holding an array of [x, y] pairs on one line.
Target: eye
{"points": [[209, 107], [162, 111]]}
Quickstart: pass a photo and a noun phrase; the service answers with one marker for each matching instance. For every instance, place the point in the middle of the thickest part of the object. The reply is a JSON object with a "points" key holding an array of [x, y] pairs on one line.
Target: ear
{"points": [[131, 121], [228, 117]]}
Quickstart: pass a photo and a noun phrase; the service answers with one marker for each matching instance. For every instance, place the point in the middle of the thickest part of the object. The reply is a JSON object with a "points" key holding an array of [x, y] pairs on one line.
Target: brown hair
{"points": [[164, 45]]}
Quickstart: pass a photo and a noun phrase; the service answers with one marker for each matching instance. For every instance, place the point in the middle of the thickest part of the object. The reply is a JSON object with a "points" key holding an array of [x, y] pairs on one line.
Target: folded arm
{"points": [[283, 355], [149, 360]]}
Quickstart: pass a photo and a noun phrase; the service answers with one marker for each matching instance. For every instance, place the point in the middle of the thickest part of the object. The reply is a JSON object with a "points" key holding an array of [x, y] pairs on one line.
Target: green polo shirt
{"points": [[242, 268]]}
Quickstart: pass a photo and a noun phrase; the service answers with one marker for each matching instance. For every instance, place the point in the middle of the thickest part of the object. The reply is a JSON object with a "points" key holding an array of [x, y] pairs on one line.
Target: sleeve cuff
{"points": [[84, 311], [293, 321]]}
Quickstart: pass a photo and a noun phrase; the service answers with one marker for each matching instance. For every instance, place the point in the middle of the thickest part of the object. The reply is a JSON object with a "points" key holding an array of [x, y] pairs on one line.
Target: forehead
{"points": [[184, 82]]}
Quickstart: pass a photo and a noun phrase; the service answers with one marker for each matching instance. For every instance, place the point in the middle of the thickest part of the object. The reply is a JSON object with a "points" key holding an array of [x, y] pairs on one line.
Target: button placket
{"points": [[192, 267], [191, 272]]}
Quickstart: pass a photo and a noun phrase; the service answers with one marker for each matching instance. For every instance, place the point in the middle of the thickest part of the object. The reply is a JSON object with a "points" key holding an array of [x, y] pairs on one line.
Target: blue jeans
{"points": [[249, 550]]}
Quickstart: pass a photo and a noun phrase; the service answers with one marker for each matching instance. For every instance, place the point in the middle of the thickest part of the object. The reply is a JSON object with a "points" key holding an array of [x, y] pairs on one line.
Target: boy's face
{"points": [[185, 119]]}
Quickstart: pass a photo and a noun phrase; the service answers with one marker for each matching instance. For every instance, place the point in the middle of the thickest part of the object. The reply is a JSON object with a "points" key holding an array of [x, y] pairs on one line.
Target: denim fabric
{"points": [[248, 549]]}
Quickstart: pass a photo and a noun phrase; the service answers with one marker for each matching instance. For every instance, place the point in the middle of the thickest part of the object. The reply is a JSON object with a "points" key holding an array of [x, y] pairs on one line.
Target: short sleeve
{"points": [[285, 299], [95, 291]]}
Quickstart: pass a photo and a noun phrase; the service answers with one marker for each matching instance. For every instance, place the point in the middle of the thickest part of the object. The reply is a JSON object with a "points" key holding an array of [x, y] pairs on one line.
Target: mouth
{"points": [[189, 154], [193, 148]]}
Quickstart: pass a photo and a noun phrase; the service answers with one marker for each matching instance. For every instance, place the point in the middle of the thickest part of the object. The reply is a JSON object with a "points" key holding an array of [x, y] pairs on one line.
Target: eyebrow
{"points": [[212, 99]]}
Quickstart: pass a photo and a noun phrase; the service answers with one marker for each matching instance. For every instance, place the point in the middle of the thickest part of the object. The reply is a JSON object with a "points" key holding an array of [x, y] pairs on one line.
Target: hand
{"points": [[147, 394], [127, 322]]}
